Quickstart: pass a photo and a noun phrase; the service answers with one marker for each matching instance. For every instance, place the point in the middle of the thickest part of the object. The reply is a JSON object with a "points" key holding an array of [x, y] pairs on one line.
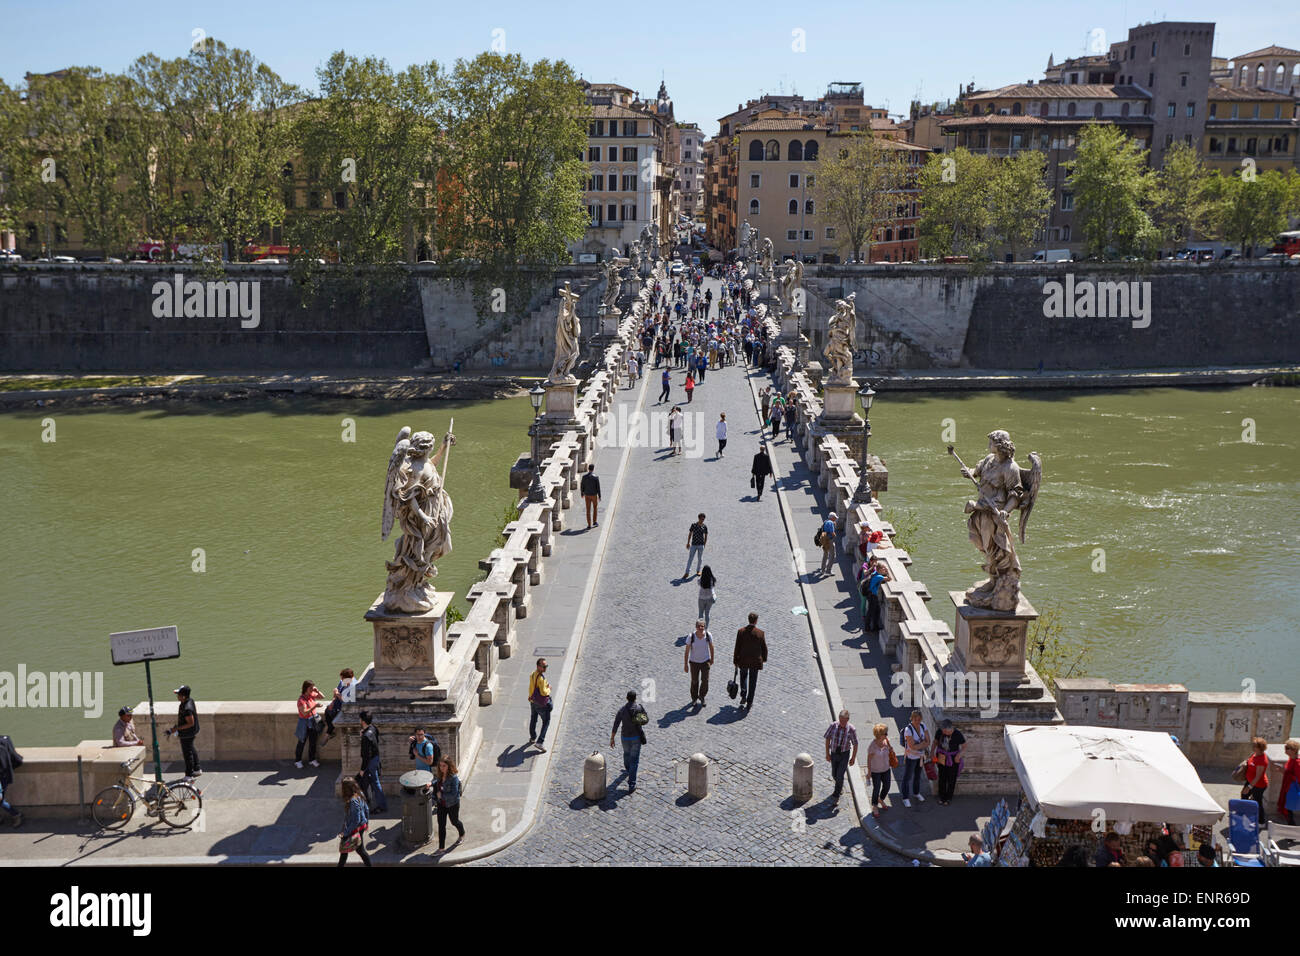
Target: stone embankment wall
{"points": [[99, 317], [919, 316]]}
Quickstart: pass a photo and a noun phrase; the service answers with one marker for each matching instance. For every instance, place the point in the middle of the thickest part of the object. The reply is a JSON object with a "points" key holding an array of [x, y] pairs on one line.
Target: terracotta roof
{"points": [[1218, 92], [608, 110], [1063, 91], [1268, 51], [1041, 120], [775, 125]]}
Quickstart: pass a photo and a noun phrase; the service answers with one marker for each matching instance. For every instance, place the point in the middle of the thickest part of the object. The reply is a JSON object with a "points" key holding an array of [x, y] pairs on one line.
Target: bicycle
{"points": [[176, 804]]}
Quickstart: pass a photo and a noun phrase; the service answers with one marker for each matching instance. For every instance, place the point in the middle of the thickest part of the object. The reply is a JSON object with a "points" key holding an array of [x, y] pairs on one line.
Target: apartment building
{"points": [[687, 154], [629, 183]]}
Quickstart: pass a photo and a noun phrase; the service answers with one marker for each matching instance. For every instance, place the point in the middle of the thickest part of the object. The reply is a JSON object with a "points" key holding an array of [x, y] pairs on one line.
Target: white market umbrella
{"points": [[1134, 775]]}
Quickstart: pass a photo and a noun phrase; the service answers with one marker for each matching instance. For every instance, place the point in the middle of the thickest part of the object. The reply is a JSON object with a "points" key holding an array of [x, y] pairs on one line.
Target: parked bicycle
{"points": [[176, 804]]}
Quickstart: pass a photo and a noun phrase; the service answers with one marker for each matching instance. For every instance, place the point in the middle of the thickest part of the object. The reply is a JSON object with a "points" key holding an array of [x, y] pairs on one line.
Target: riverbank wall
{"points": [[1060, 316]]}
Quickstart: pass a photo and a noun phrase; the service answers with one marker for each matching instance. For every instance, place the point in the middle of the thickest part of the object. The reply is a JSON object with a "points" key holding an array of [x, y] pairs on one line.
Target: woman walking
{"points": [[916, 748], [880, 759], [355, 823], [1257, 776], [707, 595], [447, 788], [675, 429], [690, 387], [949, 745], [1288, 796], [308, 728]]}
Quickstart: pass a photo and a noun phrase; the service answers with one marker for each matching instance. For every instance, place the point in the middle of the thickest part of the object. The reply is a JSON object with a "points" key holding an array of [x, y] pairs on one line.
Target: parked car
{"points": [[10, 256], [676, 268], [63, 259]]}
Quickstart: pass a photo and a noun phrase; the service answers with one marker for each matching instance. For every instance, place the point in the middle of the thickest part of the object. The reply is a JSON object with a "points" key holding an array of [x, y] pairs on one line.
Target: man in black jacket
{"points": [[750, 656], [590, 488], [369, 773], [9, 761], [761, 468], [632, 734], [186, 728]]}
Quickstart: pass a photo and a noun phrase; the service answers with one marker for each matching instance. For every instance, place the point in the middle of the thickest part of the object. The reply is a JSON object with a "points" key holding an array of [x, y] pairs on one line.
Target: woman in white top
{"points": [[707, 593], [916, 745]]}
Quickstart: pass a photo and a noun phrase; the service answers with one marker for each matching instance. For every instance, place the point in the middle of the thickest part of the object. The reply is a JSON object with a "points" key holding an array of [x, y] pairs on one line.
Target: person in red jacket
{"points": [[1288, 797], [1257, 776]]}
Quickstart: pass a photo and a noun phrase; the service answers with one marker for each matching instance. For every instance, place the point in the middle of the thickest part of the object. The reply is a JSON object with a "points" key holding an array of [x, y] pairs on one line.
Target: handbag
{"points": [[1293, 797], [1239, 774], [351, 842], [893, 759], [930, 772], [751, 481], [733, 688]]}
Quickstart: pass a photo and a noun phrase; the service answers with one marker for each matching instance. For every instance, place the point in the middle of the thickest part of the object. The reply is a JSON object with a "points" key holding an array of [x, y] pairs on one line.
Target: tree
{"points": [[1110, 178], [1249, 210], [368, 140], [516, 137], [859, 189], [955, 211], [1050, 651], [1180, 203], [218, 120], [71, 162], [12, 120], [1018, 199]]}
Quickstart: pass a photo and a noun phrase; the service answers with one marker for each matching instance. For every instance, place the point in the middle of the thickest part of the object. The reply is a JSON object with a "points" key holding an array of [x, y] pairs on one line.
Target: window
{"points": [[1277, 111], [1188, 139], [1067, 201], [613, 213], [808, 180], [1241, 80], [830, 232], [1256, 111], [613, 128], [686, 155], [1015, 109], [1153, 49], [1042, 109], [755, 150], [629, 183], [1259, 75], [810, 150], [755, 180], [597, 128], [629, 212], [793, 207], [792, 235], [1151, 81], [1215, 145], [794, 180], [593, 215], [1065, 233], [808, 235], [1070, 110], [772, 151], [593, 154], [808, 207], [340, 199], [629, 154], [889, 235], [753, 207], [629, 129], [1169, 138], [1173, 109], [1191, 109], [1232, 144], [313, 200], [1096, 110], [1132, 55], [1123, 110], [794, 152], [1182, 79], [1234, 110], [1187, 49], [1214, 109], [1250, 146]]}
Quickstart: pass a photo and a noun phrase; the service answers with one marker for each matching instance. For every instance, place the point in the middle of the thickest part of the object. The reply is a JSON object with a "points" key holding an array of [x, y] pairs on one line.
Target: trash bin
{"points": [[417, 808]]}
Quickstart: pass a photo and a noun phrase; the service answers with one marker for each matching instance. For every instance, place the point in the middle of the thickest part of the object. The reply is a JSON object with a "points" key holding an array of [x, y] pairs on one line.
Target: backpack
{"points": [[640, 717], [817, 538]]}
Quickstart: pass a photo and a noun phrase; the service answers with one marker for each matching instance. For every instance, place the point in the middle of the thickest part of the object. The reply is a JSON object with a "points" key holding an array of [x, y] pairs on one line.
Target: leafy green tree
{"points": [[1181, 205], [12, 131], [1050, 650], [71, 162], [369, 140], [955, 211], [1110, 179], [858, 189], [1249, 211], [1018, 199]]}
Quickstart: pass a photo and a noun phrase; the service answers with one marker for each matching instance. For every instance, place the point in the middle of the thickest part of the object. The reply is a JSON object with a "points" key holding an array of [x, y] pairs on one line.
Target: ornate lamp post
{"points": [[536, 493], [866, 395]]}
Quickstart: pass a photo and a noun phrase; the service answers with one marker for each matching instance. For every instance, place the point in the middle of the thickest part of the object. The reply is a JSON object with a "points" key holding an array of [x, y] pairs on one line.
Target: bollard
{"points": [[593, 777], [803, 777], [697, 776]]}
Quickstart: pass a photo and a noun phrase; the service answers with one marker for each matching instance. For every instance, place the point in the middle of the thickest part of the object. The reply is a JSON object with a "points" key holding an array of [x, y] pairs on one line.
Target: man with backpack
{"points": [[187, 728], [826, 538], [632, 718], [369, 773]]}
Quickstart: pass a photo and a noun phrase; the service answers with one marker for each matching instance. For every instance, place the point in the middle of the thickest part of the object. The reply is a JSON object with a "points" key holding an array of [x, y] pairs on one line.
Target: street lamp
{"points": [[536, 493], [866, 395]]}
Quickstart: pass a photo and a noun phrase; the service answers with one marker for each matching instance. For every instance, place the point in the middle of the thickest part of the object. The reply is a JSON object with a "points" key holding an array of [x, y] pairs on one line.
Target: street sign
{"points": [[152, 644]]}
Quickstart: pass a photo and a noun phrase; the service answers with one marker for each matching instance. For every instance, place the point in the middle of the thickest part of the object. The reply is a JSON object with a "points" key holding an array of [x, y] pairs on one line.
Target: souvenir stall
{"points": [[1079, 782]]}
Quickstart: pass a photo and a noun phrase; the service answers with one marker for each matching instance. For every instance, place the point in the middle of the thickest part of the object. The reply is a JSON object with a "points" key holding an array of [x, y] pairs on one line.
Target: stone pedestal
{"points": [[987, 684], [839, 419], [789, 327], [413, 683], [560, 417], [609, 320]]}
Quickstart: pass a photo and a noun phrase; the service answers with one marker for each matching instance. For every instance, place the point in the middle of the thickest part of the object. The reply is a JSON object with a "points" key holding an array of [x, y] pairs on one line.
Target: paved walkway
{"points": [[642, 613]]}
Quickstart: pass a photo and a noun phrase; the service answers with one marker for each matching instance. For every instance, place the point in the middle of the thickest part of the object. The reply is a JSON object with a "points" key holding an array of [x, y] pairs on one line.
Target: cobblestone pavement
{"points": [[635, 640]]}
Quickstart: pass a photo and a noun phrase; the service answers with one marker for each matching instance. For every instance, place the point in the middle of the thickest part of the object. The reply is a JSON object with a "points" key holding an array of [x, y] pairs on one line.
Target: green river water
{"points": [[1200, 529]]}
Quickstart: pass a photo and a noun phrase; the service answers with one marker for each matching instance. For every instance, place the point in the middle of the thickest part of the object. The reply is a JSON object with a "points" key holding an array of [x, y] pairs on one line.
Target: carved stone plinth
{"points": [[789, 328], [838, 402], [609, 320], [992, 641], [406, 647]]}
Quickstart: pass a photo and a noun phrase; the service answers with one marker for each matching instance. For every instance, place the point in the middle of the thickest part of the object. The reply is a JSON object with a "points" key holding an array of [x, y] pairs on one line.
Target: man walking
{"points": [[539, 703], [590, 488], [370, 765], [698, 660], [750, 656], [631, 717], [666, 382], [765, 399], [828, 542], [761, 468], [186, 728], [697, 536], [841, 749], [721, 432]]}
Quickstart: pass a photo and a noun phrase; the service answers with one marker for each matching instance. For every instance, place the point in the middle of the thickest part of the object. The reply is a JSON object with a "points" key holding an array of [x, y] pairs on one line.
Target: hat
{"points": [[183, 689], [124, 711]]}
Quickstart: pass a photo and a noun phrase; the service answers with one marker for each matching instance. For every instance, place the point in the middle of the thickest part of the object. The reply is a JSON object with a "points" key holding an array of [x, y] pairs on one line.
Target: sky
{"points": [[712, 56]]}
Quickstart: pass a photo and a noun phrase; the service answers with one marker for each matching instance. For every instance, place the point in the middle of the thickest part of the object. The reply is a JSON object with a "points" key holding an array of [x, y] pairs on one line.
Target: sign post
{"points": [[152, 644]]}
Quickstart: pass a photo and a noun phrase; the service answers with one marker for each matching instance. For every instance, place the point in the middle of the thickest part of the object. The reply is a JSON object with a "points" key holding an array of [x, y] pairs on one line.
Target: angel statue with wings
{"points": [[841, 333], [568, 331], [415, 497], [1003, 488]]}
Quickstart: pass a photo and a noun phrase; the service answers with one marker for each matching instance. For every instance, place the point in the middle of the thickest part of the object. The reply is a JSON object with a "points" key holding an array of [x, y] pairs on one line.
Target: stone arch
{"points": [[794, 152], [772, 151], [810, 148], [756, 150]]}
